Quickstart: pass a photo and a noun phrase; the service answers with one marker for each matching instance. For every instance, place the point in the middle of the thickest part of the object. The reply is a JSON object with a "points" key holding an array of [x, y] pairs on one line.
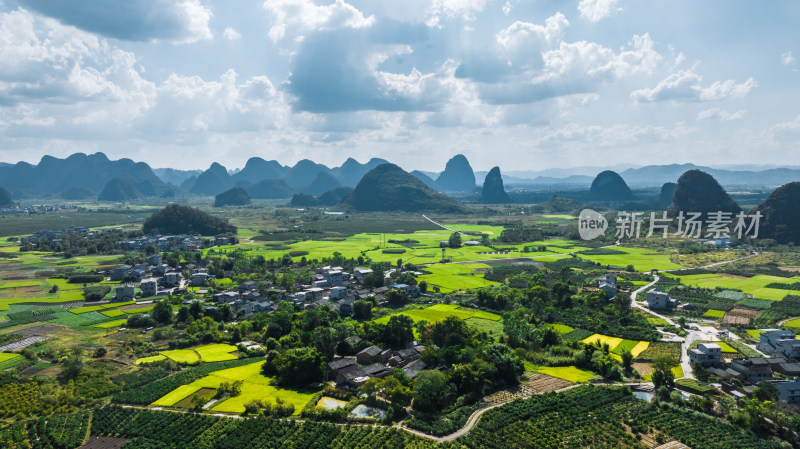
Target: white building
{"points": [[361, 273], [199, 279], [124, 292], [656, 299], [707, 354], [779, 342], [337, 293], [172, 279], [149, 287]]}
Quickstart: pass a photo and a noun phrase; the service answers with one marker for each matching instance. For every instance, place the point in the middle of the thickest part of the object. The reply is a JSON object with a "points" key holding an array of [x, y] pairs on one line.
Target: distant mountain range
{"points": [[82, 176], [652, 175]]}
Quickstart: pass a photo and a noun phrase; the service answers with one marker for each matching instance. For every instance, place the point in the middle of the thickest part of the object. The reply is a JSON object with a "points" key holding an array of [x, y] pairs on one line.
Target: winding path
{"points": [[473, 419]]}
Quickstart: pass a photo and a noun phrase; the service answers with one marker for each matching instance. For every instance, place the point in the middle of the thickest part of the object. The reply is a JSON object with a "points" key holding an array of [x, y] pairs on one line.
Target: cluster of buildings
{"points": [[57, 235], [17, 210], [783, 350], [375, 362], [329, 285], [155, 279], [178, 242]]}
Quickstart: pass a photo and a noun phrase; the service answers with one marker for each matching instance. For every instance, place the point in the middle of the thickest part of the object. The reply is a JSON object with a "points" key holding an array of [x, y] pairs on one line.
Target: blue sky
{"points": [[525, 85]]}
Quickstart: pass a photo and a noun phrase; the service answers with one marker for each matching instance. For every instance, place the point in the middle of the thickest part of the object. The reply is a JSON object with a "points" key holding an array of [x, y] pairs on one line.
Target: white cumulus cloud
{"points": [[596, 10], [231, 34], [720, 114], [684, 85], [304, 16]]}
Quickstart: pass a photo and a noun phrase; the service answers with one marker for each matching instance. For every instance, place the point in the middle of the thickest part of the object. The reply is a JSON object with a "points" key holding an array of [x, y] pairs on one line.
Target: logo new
{"points": [[591, 224]]}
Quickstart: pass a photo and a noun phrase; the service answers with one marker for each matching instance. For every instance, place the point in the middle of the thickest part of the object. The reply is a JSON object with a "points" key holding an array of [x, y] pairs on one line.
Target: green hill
{"points": [[270, 189], [388, 187], [781, 214], [120, 189], [697, 191], [609, 186], [236, 196], [493, 191], [5, 198], [177, 219], [77, 193]]}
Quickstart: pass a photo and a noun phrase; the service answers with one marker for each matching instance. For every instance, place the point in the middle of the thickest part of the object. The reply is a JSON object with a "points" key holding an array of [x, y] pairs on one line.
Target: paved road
{"points": [[473, 419], [691, 334]]}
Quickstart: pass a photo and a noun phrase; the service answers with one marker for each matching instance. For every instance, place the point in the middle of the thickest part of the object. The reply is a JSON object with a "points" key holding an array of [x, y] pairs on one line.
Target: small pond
{"points": [[643, 395], [362, 411], [330, 403]]}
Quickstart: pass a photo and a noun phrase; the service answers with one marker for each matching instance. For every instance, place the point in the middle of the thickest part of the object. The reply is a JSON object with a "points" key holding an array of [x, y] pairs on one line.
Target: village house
{"points": [[788, 391], [124, 292], [779, 342], [226, 297], [656, 299], [149, 287], [369, 355], [360, 376], [154, 260], [172, 279], [337, 368], [337, 293], [754, 370], [411, 290], [412, 369], [360, 273], [707, 354], [120, 272]]}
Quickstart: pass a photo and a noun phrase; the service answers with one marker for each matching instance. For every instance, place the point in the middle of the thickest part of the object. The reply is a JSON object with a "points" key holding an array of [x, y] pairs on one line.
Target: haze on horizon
{"points": [[522, 85]]}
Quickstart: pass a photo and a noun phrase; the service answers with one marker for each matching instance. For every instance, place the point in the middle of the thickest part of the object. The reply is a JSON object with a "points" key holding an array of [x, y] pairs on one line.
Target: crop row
{"points": [[150, 428], [52, 432]]}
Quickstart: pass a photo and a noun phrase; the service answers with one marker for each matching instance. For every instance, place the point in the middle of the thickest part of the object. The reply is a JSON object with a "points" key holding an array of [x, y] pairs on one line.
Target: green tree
{"points": [[451, 332], [662, 372], [398, 331], [72, 365], [362, 310], [324, 340], [432, 392], [396, 298], [162, 312], [627, 360], [455, 240], [299, 367]]}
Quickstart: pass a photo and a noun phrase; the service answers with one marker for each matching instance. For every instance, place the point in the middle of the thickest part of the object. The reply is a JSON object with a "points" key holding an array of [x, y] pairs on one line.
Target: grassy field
{"points": [[215, 352], [424, 248], [642, 259], [10, 360], [151, 359], [569, 373], [562, 328], [439, 312], [755, 285], [491, 327], [450, 277], [793, 323], [602, 340], [184, 356], [632, 346], [711, 313], [255, 386], [110, 324]]}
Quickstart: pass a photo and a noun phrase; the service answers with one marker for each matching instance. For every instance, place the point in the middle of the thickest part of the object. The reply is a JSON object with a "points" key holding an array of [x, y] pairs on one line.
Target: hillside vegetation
{"points": [[177, 219]]}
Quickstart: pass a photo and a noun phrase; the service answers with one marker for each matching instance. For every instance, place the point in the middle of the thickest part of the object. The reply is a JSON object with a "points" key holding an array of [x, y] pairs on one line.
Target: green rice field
{"points": [[755, 285], [255, 386]]}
